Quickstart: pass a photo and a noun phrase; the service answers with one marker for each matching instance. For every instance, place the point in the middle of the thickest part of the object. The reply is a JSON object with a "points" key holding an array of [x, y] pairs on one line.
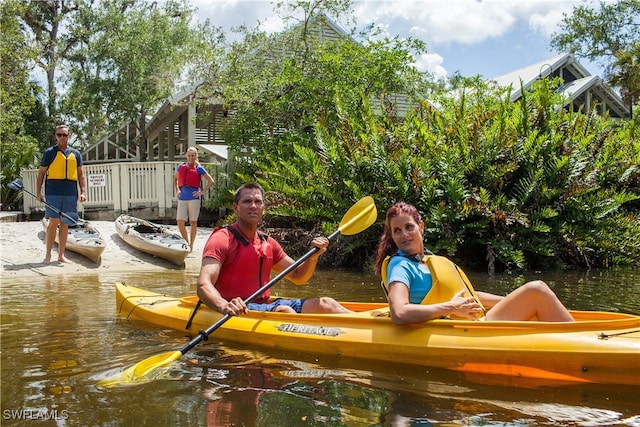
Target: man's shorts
{"points": [[66, 204], [188, 210], [296, 304]]}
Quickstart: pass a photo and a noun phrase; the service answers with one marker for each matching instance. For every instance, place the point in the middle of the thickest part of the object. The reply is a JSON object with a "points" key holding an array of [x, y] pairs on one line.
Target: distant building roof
{"points": [[579, 88], [219, 150]]}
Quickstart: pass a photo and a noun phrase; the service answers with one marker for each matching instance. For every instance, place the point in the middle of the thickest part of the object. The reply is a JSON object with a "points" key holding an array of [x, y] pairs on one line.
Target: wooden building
{"points": [[580, 90]]}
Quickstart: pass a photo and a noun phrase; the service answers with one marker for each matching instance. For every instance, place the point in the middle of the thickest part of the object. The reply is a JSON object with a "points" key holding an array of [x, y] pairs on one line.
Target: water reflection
{"points": [[239, 399], [58, 358], [239, 386], [47, 350], [59, 334]]}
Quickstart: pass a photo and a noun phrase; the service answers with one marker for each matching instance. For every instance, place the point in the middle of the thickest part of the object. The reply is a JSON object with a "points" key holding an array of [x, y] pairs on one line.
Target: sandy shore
{"points": [[22, 250]]}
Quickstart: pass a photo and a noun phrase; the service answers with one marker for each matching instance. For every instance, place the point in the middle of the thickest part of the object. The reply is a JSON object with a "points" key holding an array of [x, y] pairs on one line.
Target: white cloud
{"points": [[546, 24], [233, 13], [440, 21], [432, 63], [452, 26], [469, 22], [437, 22]]}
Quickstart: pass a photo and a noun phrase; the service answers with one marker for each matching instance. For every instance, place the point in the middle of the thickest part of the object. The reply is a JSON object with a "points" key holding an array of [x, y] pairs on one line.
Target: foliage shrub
{"points": [[500, 185]]}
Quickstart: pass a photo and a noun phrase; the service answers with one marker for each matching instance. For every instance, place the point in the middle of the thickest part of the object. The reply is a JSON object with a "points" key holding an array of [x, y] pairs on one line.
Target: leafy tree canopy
{"points": [[501, 185], [18, 101], [285, 83], [127, 58], [599, 33]]}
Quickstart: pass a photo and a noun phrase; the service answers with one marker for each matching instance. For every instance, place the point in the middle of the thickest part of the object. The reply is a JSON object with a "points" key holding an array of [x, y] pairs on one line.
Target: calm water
{"points": [[59, 335]]}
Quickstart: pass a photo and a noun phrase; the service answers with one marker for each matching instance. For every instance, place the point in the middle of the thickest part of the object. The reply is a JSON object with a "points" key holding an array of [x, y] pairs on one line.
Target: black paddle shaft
{"points": [[17, 185], [203, 335]]}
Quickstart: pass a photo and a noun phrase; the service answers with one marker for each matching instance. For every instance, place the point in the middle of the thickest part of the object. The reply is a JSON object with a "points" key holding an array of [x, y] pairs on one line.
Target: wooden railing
{"points": [[114, 188]]}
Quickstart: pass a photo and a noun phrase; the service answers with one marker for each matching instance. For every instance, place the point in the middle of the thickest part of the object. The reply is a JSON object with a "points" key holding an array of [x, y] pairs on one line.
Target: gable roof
{"points": [[579, 88], [219, 151]]}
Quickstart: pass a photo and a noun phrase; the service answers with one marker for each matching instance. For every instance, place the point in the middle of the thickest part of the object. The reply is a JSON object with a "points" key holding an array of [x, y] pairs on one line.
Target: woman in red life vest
{"points": [[187, 181]]}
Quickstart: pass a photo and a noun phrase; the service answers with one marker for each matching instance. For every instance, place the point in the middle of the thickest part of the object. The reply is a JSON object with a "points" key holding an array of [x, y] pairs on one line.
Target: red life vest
{"points": [[243, 274], [190, 177]]}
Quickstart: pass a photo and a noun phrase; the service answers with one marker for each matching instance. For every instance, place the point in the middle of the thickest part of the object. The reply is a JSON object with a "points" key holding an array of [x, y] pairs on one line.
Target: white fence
{"points": [[114, 188]]}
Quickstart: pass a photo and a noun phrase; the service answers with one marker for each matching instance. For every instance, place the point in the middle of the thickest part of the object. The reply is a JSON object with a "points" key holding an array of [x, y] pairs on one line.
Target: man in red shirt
{"points": [[237, 261]]}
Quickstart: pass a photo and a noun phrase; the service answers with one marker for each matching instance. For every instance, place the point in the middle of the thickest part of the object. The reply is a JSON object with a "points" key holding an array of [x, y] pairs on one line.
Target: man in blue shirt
{"points": [[61, 165]]}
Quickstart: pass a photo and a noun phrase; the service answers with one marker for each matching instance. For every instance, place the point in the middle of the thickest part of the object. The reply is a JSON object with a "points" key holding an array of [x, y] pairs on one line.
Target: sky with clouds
{"points": [[486, 37]]}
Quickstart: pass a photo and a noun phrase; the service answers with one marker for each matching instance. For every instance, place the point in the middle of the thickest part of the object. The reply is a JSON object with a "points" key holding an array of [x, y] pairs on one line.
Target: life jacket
{"points": [[241, 275], [190, 177], [447, 279], [63, 167]]}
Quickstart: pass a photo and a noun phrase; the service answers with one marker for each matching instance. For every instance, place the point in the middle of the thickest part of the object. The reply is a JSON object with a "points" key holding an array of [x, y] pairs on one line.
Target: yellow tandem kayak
{"points": [[600, 347]]}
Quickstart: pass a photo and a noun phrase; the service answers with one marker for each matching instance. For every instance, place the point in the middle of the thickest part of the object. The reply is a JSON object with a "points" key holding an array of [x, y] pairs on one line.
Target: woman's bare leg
{"points": [[323, 305], [531, 301], [182, 227], [193, 232]]}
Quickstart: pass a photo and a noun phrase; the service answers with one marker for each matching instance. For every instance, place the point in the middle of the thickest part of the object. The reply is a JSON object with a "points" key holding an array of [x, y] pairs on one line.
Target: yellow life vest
{"points": [[447, 279], [63, 167]]}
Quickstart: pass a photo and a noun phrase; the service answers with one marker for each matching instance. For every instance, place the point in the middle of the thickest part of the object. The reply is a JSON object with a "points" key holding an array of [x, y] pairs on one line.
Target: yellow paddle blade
{"points": [[359, 217], [143, 371]]}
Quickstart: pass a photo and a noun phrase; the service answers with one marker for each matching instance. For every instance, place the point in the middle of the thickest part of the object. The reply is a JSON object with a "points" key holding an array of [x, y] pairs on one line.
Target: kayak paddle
{"points": [[16, 184], [359, 217]]}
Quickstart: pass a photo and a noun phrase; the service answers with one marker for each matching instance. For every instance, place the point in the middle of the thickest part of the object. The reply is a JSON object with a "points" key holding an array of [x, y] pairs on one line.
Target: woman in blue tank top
{"points": [[409, 282]]}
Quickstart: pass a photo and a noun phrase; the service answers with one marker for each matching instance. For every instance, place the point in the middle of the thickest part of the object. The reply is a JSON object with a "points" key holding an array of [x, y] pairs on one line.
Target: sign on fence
{"points": [[97, 180]]}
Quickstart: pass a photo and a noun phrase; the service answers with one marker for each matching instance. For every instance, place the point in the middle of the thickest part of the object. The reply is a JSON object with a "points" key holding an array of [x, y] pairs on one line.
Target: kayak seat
{"points": [[145, 229], [83, 234]]}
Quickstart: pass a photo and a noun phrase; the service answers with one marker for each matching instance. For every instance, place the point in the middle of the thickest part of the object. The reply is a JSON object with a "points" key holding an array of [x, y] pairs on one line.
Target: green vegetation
{"points": [[18, 98], [117, 61], [500, 184], [319, 122], [508, 185], [131, 60]]}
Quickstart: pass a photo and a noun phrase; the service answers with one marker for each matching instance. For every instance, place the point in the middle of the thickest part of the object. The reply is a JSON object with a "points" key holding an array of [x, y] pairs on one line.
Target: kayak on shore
{"points": [[151, 238], [82, 238], [599, 347]]}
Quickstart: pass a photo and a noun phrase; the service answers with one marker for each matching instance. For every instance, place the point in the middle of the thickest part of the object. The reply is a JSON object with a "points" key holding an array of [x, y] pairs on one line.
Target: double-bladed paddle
{"points": [[16, 184], [359, 217]]}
